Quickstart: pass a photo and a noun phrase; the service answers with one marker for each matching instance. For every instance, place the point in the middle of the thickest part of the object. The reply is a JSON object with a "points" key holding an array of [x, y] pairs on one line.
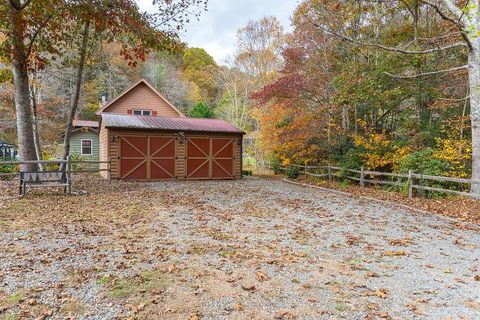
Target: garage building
{"points": [[145, 145]]}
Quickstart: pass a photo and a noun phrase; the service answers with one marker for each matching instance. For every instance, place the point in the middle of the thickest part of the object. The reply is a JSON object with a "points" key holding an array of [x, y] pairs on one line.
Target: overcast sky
{"points": [[216, 30]]}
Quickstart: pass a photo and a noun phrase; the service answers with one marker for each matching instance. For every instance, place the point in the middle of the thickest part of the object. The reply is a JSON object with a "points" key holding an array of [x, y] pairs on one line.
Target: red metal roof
{"points": [[85, 123], [112, 120]]}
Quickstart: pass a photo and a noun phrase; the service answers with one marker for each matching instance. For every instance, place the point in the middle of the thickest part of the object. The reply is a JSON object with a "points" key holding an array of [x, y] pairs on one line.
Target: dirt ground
{"points": [[250, 249]]}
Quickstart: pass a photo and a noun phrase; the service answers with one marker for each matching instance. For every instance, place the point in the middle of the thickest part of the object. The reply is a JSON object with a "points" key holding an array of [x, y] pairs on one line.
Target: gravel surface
{"points": [[248, 249]]}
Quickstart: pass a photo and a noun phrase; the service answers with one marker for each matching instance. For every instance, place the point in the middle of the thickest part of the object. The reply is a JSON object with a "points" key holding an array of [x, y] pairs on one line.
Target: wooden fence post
{"points": [[410, 183], [305, 169], [69, 174], [329, 172], [109, 172], [362, 176]]}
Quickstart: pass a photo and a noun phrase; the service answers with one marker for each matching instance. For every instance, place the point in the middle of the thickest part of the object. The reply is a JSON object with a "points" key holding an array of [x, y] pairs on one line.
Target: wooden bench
{"points": [[45, 180]]}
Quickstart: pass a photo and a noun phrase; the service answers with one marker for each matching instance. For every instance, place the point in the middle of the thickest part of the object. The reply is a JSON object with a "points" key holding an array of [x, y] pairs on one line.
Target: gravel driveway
{"points": [[248, 249]]}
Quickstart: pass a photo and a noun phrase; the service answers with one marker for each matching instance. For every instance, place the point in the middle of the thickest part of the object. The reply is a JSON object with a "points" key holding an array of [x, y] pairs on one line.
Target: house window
{"points": [[140, 112], [86, 147]]}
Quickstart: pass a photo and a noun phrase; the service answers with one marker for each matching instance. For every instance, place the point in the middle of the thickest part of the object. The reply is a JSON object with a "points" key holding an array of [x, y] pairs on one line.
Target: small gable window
{"points": [[86, 147], [140, 112]]}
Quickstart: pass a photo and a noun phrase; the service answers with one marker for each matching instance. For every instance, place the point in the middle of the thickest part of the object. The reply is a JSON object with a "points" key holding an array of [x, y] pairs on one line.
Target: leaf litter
{"points": [[254, 248]]}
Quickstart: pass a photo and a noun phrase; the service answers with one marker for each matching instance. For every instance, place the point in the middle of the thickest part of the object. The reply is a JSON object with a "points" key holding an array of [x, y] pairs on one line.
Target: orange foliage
{"points": [[286, 133]]}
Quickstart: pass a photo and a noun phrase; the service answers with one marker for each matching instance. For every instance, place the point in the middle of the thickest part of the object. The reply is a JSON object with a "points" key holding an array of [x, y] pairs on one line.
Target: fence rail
{"points": [[412, 181], [69, 164]]}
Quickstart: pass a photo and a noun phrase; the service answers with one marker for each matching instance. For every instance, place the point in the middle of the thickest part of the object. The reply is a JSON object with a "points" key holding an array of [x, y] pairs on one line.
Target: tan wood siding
{"points": [[180, 170], [237, 152], [180, 159], [142, 97], [103, 155]]}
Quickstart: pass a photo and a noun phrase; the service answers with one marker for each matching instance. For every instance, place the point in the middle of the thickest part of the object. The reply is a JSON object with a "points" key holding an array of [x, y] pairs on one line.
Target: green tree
{"points": [[201, 110]]}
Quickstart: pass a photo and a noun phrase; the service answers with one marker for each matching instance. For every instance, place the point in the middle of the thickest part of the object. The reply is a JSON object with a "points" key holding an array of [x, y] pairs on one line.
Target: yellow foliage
{"points": [[381, 151], [457, 152]]}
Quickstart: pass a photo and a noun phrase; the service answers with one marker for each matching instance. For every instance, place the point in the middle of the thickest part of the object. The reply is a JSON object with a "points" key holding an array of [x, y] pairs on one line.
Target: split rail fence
{"points": [[411, 181]]}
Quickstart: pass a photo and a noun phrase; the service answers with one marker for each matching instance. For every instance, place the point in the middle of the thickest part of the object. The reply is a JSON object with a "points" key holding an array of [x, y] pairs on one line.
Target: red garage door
{"points": [[147, 157], [198, 158], [209, 158], [222, 158]]}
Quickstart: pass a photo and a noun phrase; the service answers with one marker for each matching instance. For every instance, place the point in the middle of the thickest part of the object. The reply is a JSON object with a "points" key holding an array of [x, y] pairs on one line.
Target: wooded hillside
{"points": [[391, 85]]}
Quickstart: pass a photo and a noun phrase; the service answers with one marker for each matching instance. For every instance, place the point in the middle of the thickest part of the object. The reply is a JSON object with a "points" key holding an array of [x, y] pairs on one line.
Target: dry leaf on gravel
{"points": [[381, 293], [395, 253], [261, 276], [284, 314]]}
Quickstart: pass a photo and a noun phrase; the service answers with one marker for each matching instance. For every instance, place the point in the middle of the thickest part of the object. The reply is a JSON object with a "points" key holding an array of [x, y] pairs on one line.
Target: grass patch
{"points": [[11, 316], [104, 280], [141, 285], [220, 236], [343, 307], [15, 298], [76, 308], [226, 254]]}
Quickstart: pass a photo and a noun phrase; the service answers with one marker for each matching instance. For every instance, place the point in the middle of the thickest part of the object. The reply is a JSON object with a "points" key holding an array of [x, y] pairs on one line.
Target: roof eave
{"points": [[174, 130]]}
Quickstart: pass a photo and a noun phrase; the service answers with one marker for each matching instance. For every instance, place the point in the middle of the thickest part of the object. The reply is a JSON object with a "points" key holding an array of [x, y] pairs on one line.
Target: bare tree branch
{"points": [[441, 13], [457, 22], [452, 7], [388, 48], [426, 74], [454, 99], [446, 36]]}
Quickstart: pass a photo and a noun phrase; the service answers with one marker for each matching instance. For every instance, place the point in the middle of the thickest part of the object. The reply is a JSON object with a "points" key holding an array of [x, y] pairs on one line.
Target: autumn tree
{"points": [[39, 30], [461, 33], [200, 68], [29, 27], [259, 46]]}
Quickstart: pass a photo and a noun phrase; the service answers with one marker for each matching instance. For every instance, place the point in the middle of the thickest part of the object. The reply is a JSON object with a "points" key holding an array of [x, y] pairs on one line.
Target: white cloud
{"points": [[216, 29]]}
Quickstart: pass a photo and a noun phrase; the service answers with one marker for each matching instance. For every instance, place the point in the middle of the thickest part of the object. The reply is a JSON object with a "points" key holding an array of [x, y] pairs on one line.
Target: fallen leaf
{"points": [[381, 293], [194, 316], [395, 253], [248, 287], [284, 314], [172, 268], [261, 276], [238, 306]]}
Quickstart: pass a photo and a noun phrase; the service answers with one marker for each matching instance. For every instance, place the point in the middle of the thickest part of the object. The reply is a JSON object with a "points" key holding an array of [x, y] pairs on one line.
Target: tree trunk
{"points": [[474, 81], [76, 95], [36, 135], [23, 108]]}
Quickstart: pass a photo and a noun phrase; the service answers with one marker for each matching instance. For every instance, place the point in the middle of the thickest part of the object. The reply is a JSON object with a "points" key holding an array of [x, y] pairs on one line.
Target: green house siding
{"points": [[76, 145]]}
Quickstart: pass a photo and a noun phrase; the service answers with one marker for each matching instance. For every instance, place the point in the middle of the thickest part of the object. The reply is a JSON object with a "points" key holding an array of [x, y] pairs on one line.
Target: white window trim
{"points": [[142, 111], [91, 147]]}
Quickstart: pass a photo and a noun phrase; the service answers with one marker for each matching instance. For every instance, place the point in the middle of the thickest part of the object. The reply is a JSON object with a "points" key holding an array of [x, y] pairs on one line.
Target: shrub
{"points": [[8, 168], [424, 162], [352, 159], [293, 172], [247, 172], [276, 166]]}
